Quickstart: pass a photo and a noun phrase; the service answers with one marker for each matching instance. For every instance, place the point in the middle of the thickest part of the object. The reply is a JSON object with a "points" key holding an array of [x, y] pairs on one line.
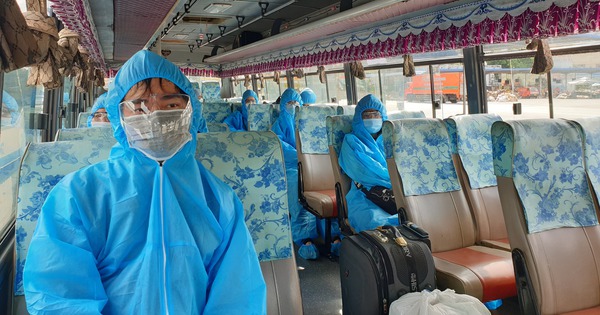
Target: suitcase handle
{"points": [[398, 238]]}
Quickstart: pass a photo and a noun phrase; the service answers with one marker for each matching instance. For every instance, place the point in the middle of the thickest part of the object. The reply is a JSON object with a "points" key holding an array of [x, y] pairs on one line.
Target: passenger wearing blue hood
{"points": [[308, 97], [238, 120], [304, 228], [362, 158], [150, 230], [98, 116]]}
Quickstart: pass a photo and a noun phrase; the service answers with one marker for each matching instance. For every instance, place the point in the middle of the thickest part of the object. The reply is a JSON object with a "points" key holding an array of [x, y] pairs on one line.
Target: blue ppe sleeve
{"points": [[60, 234], [235, 122], [364, 214], [238, 286], [362, 164]]}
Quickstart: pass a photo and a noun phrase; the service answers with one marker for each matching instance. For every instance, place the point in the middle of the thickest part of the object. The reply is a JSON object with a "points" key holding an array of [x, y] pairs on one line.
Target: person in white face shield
{"points": [[98, 116], [150, 230], [362, 158], [238, 120]]}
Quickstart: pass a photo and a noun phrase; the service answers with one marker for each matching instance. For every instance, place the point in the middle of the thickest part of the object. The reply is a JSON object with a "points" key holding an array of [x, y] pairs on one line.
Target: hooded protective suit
{"points": [[308, 96], [238, 121], [129, 236], [303, 223], [363, 159], [97, 105]]}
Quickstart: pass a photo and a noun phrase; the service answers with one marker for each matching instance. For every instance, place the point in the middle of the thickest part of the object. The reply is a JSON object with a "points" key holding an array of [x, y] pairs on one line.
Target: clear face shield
{"points": [[158, 125], [289, 106]]}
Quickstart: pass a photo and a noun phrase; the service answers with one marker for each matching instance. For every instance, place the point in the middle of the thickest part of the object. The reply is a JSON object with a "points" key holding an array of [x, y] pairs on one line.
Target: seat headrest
{"points": [[545, 159], [337, 128], [421, 150], [472, 137], [590, 130], [311, 124]]}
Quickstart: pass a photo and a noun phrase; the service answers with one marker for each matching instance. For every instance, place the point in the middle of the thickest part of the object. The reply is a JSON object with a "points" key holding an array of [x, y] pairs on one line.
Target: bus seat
{"points": [[550, 217], [104, 135], [217, 127], [426, 185], [215, 112], [471, 140], [404, 114], [337, 128], [590, 131], [259, 117], [82, 119], [237, 106], [211, 92], [348, 110], [274, 113], [252, 164], [316, 183], [42, 166]]}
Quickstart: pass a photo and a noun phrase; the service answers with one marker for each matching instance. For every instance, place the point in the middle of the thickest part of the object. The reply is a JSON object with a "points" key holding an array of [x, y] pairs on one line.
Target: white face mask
{"points": [[289, 106], [102, 124], [160, 134]]}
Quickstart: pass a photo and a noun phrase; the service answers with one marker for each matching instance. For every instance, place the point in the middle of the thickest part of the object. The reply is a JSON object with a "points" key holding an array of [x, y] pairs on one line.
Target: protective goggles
{"points": [[145, 106]]}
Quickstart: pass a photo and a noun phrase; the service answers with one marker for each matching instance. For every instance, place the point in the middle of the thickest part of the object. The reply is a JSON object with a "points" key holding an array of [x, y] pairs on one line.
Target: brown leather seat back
{"points": [[471, 141], [549, 213]]}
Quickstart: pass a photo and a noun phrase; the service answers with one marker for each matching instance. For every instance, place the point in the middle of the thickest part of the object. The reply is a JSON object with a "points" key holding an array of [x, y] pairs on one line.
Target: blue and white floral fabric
{"points": [[404, 114], [311, 123], [217, 127], [423, 155], [545, 159], [215, 112], [337, 128], [44, 164], [590, 128], [259, 117], [252, 164], [96, 134], [211, 92], [474, 143], [82, 119]]}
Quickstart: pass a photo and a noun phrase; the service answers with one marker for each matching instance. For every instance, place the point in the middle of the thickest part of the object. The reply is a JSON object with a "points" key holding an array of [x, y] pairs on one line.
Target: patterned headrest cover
{"points": [[404, 114], [252, 164], [474, 143], [44, 164], [96, 134], [545, 159], [215, 112], [311, 123], [590, 129], [337, 128], [211, 91], [217, 127], [259, 117], [421, 149]]}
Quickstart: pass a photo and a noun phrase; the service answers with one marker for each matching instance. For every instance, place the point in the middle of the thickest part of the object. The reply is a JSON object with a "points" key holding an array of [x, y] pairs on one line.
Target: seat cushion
{"points": [[323, 202], [482, 272], [589, 311]]}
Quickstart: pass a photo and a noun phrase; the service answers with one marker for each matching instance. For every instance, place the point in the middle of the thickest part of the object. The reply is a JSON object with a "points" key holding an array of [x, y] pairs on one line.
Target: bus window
{"points": [[369, 85], [575, 85], [270, 91], [392, 89], [299, 83], [417, 91], [319, 88], [448, 85]]}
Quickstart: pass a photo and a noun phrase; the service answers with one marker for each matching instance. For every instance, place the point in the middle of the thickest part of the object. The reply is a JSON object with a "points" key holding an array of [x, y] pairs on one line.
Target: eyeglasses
{"points": [[371, 114], [100, 115], [142, 106]]}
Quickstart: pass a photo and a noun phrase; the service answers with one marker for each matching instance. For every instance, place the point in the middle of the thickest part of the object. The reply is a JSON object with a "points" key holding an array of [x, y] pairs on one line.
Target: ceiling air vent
{"points": [[203, 20]]}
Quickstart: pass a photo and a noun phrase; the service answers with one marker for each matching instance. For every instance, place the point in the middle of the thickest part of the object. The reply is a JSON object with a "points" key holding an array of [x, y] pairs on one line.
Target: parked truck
{"points": [[448, 85]]}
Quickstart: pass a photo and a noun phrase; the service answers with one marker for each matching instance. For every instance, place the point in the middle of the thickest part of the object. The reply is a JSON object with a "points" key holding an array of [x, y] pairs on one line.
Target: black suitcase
{"points": [[379, 266]]}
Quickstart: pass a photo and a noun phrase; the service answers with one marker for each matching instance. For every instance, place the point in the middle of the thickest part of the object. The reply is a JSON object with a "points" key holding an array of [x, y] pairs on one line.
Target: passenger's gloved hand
{"points": [[308, 251]]}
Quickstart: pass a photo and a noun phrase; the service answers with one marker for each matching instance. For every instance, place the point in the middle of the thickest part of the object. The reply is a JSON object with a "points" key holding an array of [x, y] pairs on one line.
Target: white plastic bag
{"points": [[437, 302]]}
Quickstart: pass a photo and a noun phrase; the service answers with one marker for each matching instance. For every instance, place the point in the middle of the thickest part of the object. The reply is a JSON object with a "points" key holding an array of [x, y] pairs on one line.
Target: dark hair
{"points": [[146, 83]]}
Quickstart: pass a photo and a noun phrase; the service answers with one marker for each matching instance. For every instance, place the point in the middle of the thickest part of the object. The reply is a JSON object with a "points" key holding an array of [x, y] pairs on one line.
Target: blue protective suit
{"points": [[303, 222], [308, 96], [363, 159], [238, 120], [129, 236], [97, 105]]}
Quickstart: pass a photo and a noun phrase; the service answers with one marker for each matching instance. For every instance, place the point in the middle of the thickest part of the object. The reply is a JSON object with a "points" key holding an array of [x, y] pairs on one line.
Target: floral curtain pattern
{"points": [[476, 23]]}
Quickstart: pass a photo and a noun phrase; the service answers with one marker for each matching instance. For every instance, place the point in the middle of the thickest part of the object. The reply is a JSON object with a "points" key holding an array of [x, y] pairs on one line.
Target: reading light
{"points": [[217, 7]]}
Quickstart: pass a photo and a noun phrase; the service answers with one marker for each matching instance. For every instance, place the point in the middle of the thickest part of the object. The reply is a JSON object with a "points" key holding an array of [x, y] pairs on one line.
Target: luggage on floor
{"points": [[379, 266]]}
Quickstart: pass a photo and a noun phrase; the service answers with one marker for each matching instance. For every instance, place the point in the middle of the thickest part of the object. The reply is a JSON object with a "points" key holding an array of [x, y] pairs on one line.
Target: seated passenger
{"points": [[303, 223], [10, 110], [150, 230], [238, 120], [308, 97], [362, 158], [98, 116]]}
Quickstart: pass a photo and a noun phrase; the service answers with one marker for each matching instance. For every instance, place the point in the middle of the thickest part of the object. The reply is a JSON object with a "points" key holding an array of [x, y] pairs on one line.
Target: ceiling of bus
{"points": [[132, 24]]}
